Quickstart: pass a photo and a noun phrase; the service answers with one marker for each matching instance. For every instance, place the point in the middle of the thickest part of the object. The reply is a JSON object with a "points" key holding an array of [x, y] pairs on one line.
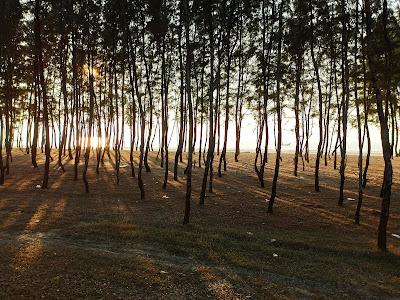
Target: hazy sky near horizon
{"points": [[249, 135]]}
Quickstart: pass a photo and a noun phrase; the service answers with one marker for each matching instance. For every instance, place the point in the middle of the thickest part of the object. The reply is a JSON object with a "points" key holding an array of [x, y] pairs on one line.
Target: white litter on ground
{"points": [[397, 236], [350, 199]]}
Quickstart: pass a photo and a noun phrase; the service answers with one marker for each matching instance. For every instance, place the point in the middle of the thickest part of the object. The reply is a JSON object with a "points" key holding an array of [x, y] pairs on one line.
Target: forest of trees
{"points": [[79, 76]]}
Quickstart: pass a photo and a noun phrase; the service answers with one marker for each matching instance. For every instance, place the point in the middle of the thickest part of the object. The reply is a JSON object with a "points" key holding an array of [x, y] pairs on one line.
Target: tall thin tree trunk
{"points": [[179, 149], [388, 170], [39, 52], [91, 110], [211, 137], [345, 101], [320, 103], [278, 112], [359, 131], [189, 55]]}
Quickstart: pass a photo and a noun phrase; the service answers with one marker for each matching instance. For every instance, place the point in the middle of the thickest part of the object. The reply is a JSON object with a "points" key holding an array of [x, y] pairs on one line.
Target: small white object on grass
{"points": [[351, 199], [165, 197], [38, 186], [275, 255], [397, 236], [163, 272], [249, 233], [273, 240]]}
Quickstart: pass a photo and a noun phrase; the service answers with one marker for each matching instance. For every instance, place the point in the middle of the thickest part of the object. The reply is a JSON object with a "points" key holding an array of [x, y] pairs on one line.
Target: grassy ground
{"points": [[63, 243]]}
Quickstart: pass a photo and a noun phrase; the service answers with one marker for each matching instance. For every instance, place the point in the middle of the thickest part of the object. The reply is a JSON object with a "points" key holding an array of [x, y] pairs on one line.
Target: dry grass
{"points": [[63, 243]]}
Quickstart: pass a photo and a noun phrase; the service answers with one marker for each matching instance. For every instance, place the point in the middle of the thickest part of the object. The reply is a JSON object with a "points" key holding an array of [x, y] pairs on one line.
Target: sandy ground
{"points": [[64, 243]]}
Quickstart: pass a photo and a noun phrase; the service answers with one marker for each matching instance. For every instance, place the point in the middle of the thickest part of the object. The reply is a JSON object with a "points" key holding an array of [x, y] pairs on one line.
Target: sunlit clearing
{"points": [[86, 70], [96, 142]]}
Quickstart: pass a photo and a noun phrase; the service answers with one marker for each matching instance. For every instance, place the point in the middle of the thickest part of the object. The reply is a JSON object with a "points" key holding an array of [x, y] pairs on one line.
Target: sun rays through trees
{"points": [[82, 80]]}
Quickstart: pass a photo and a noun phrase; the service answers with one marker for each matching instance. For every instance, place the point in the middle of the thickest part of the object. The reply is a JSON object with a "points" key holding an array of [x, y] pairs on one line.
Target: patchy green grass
{"points": [[295, 256]]}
